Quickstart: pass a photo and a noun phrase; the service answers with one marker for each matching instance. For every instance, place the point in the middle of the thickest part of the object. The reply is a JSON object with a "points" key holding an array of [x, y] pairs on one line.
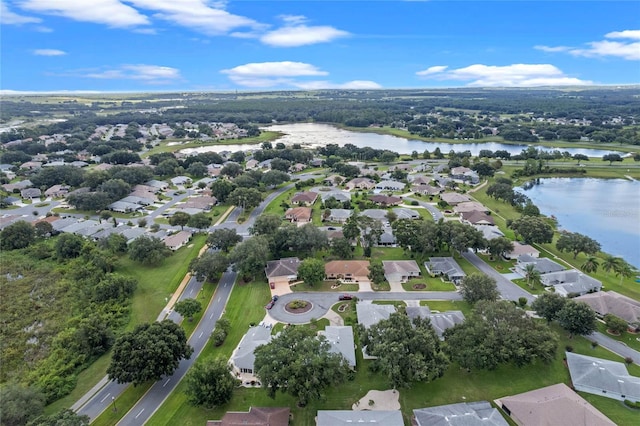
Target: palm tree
{"points": [[624, 270], [532, 275], [590, 265], [611, 263]]}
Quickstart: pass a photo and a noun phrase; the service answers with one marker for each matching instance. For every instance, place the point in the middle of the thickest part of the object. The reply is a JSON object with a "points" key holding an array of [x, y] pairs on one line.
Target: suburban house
{"points": [[489, 232], [610, 302], [256, 416], [298, 214], [339, 215], [243, 357], [31, 193], [603, 377], [18, 186], [158, 184], [251, 164], [400, 271], [404, 213], [390, 185], [465, 174], [347, 270], [333, 180], [387, 239], [469, 206], [385, 200], [175, 241], [341, 340], [476, 217], [202, 202], [349, 417], [31, 165], [340, 196], [360, 183], [519, 249], [542, 264], [285, 270], [440, 321], [181, 180], [453, 198], [571, 282], [377, 214], [124, 207], [479, 413], [426, 189], [57, 191], [446, 267], [419, 180], [370, 314], [304, 198], [552, 405]]}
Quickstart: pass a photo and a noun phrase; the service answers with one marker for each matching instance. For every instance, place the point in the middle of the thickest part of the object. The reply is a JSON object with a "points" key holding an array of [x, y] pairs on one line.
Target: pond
{"points": [[607, 210], [314, 135]]}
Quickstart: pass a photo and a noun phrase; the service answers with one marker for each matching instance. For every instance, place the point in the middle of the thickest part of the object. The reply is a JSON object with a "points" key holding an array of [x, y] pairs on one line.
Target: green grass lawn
{"points": [[522, 283], [325, 286], [396, 303], [432, 284], [123, 404], [629, 339], [274, 206], [448, 305], [204, 297]]}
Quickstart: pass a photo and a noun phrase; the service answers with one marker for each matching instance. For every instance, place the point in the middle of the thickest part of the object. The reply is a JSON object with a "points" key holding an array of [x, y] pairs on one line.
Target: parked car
{"points": [[270, 304], [345, 297], [275, 297], [272, 285]]}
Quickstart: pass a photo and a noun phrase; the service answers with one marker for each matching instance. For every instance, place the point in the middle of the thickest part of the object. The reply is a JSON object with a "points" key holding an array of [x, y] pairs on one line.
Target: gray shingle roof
{"points": [[341, 340], [255, 336], [346, 417], [595, 375], [370, 314], [479, 413], [283, 267]]}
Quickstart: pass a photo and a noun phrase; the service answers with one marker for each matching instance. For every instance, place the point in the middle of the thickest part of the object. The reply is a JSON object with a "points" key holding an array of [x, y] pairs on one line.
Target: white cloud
{"points": [[152, 74], [516, 75], [49, 52], [109, 12], [632, 34], [628, 48], [432, 70], [274, 69], [8, 17], [296, 33]]}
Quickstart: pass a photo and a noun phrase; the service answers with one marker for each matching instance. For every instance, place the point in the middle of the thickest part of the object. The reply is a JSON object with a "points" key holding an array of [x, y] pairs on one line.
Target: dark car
{"points": [[270, 304], [345, 297], [275, 297]]}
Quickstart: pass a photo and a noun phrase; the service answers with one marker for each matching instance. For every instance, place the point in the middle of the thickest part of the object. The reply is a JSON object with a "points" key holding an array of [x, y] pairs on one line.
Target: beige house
{"points": [[360, 183], [298, 214], [347, 270]]}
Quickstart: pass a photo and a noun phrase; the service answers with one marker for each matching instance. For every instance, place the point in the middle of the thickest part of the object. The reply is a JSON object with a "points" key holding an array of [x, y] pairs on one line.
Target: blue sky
{"points": [[166, 45]]}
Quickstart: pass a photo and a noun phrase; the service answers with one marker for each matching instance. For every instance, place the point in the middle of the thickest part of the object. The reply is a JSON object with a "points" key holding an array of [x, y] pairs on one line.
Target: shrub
{"points": [[632, 404], [414, 203], [569, 348], [218, 336], [298, 304], [628, 360]]}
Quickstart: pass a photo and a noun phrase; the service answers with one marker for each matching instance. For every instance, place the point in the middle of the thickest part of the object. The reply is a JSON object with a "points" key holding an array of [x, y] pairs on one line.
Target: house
{"points": [[340, 196], [31, 193], [476, 218], [360, 183], [339, 215], [18, 186], [298, 214], [571, 282], [31, 165], [542, 265], [350, 418], [465, 174], [298, 167], [419, 180], [181, 180], [400, 271], [479, 413], [333, 180], [404, 213], [610, 302], [377, 214], [251, 164], [282, 270], [174, 242], [519, 249], [489, 232], [266, 164], [124, 207], [390, 185], [347, 270], [370, 314], [243, 357], [341, 340], [385, 200], [256, 416], [202, 202], [387, 239], [552, 405], [304, 198], [447, 267], [10, 201], [57, 191], [453, 198], [157, 184], [426, 189], [440, 321], [602, 377], [469, 206]]}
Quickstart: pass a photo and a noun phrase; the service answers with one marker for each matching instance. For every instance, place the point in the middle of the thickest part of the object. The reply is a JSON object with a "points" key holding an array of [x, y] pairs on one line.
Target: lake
{"points": [[314, 135], [607, 210]]}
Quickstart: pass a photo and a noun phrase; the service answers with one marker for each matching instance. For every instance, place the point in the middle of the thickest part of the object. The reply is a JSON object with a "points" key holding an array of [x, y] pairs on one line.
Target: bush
{"points": [[218, 336], [569, 348], [414, 203], [298, 304], [632, 404]]}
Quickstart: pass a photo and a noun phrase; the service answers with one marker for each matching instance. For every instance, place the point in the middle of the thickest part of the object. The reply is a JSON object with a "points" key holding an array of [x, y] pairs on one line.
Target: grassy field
{"points": [[432, 284], [325, 286], [629, 339], [448, 305]]}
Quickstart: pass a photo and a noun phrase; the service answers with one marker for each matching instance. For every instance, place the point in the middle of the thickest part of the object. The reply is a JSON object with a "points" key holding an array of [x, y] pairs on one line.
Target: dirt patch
{"points": [[419, 286], [294, 308]]}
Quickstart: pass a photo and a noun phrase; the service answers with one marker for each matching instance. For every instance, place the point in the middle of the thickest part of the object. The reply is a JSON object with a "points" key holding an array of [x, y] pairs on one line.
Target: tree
{"points": [[266, 224], [250, 256], [311, 271], [149, 250], [577, 318], [533, 229], [64, 417], [179, 219], [223, 239], [19, 404], [210, 383], [611, 263], [590, 265], [18, 235], [274, 177], [405, 352], [188, 308], [341, 247], [68, 246], [615, 324], [611, 158], [624, 270], [499, 246], [300, 364], [532, 275], [221, 188], [209, 266], [231, 169], [376, 272], [199, 221], [115, 188], [548, 305], [478, 286], [197, 169], [580, 157], [148, 352], [142, 222], [43, 229], [498, 332], [246, 198], [577, 243]]}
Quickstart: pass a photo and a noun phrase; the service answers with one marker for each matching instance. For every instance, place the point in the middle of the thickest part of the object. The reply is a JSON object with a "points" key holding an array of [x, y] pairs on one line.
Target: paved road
{"points": [[615, 346], [507, 289], [322, 302], [153, 399], [435, 213]]}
